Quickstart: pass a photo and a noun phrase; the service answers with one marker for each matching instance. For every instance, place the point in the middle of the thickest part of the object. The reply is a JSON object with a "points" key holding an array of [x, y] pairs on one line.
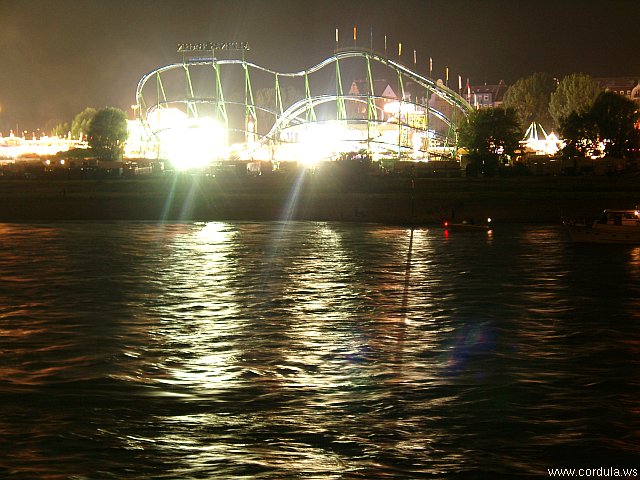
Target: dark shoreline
{"points": [[388, 200]]}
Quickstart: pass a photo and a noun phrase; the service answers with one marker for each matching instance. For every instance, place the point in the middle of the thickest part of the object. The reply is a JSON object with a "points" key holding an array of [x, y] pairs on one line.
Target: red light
{"points": [[446, 224]]}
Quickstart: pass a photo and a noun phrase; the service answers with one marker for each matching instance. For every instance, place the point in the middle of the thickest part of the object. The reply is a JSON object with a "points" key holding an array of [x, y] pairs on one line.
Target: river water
{"points": [[314, 350]]}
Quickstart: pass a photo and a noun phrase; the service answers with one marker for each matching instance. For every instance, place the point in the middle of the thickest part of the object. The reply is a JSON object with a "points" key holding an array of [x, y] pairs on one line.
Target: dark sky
{"points": [[58, 57]]}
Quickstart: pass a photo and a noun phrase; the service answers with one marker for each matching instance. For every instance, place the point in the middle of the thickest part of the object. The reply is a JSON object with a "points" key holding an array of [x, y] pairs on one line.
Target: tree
{"points": [[60, 130], [81, 122], [266, 101], [615, 117], [490, 134], [107, 133], [530, 97], [611, 120], [580, 135], [575, 93]]}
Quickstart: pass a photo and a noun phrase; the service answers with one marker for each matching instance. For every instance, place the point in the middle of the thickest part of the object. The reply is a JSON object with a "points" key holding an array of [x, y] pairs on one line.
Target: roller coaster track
{"points": [[293, 114]]}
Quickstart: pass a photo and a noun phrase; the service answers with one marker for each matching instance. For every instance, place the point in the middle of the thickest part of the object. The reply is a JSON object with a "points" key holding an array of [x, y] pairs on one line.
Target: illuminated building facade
{"points": [[485, 95], [627, 86]]}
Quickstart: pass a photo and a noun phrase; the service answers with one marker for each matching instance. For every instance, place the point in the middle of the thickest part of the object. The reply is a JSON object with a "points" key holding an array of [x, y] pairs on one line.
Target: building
{"points": [[485, 95], [383, 93], [492, 95], [627, 86]]}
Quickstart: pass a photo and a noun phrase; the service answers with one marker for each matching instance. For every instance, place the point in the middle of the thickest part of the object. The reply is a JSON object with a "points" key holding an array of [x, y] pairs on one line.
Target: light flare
{"points": [[188, 143]]}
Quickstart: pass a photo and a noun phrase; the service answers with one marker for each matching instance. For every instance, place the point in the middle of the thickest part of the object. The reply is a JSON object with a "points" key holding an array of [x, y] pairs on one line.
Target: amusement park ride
{"points": [[208, 108]]}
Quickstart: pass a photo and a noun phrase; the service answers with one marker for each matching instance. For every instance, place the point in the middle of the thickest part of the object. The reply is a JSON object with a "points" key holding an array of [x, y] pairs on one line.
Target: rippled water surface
{"points": [[314, 350]]}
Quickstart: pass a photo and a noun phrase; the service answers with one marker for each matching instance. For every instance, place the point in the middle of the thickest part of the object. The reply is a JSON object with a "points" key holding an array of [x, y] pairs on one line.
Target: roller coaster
{"points": [[208, 109]]}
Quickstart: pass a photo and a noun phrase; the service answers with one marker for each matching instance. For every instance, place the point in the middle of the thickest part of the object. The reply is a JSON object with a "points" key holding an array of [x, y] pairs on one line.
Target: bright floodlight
{"points": [[314, 142], [396, 107], [416, 141], [187, 142], [319, 142]]}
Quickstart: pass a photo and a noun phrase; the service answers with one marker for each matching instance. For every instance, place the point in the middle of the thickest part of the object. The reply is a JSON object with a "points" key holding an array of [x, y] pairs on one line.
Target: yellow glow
{"points": [[188, 142], [316, 142], [541, 143], [416, 141], [13, 147], [395, 107]]}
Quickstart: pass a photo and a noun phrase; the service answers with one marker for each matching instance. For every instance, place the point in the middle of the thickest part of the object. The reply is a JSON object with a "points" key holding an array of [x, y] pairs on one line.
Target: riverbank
{"points": [[392, 200]]}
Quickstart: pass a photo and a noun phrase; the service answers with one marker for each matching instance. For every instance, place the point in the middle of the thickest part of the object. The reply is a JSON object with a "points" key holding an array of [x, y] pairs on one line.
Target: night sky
{"points": [[58, 57]]}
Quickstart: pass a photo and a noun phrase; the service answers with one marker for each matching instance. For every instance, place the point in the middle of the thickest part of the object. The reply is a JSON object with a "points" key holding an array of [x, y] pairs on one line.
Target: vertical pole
{"points": [[274, 141], [279, 108], [250, 106], [246, 103], [371, 108], [221, 110], [158, 84], [157, 95], [277, 113], [310, 114], [340, 108], [400, 103], [190, 95], [426, 124]]}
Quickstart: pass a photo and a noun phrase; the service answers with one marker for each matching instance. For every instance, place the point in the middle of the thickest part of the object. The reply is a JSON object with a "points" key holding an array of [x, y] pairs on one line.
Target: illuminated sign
{"points": [[210, 46]]}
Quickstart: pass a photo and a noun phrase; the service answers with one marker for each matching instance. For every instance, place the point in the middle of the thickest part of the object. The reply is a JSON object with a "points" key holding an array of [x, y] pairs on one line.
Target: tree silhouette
{"points": [[107, 133], [490, 134], [530, 97], [575, 93]]}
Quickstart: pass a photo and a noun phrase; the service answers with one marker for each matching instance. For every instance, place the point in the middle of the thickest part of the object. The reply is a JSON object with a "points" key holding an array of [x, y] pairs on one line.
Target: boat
{"points": [[466, 225], [613, 226]]}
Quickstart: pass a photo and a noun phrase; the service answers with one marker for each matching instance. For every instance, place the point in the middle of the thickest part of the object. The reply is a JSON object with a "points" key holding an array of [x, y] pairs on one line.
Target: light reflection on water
{"points": [[315, 350]]}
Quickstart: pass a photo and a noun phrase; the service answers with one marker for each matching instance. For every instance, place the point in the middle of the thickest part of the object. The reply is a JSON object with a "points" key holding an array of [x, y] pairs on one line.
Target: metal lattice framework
{"points": [[388, 109]]}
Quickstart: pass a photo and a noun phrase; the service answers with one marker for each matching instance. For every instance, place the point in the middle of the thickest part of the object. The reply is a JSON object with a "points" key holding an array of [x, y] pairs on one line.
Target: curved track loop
{"points": [[295, 114]]}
